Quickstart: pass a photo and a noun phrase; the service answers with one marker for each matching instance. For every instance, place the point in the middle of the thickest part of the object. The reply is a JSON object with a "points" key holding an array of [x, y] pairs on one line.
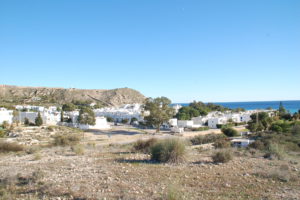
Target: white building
{"points": [[6, 115], [213, 122], [176, 107], [49, 117], [241, 142], [100, 123], [31, 116], [127, 111], [201, 121], [173, 122], [185, 124]]}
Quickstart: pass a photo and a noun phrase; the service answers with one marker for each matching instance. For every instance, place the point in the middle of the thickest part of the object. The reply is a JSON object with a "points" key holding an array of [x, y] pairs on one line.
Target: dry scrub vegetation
{"points": [[72, 167]]}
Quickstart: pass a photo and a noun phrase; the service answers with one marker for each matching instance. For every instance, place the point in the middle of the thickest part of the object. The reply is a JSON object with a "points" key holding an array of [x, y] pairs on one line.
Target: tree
{"points": [[86, 116], [68, 107], [282, 110], [160, 111], [5, 125], [132, 120], [259, 122], [39, 120], [26, 121], [62, 116], [110, 119]]}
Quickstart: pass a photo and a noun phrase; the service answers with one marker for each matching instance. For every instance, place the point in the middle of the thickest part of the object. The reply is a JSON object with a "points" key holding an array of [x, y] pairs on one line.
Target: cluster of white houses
{"points": [[214, 119], [51, 116]]}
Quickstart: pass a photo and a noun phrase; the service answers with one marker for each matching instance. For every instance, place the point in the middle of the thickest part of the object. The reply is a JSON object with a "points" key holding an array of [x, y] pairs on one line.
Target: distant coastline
{"points": [[291, 105]]}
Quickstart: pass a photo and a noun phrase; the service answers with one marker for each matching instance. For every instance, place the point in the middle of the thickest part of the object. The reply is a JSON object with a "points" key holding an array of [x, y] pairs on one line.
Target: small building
{"points": [[6, 115], [176, 129], [185, 123], [100, 123], [173, 122], [213, 122], [241, 142]]}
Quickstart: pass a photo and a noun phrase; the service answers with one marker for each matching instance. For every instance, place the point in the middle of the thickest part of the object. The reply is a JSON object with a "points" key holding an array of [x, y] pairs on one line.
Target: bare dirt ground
{"points": [[106, 170]]}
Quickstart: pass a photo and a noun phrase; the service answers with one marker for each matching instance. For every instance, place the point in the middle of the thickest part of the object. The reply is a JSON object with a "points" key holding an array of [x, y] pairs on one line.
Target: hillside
{"points": [[43, 95]]}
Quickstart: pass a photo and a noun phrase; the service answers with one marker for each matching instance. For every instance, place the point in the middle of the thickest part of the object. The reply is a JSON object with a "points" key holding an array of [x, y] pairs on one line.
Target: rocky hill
{"points": [[41, 95]]}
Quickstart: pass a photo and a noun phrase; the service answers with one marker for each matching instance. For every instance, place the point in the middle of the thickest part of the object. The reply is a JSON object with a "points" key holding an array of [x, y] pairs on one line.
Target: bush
{"points": [[109, 119], [275, 151], [205, 139], [222, 157], [230, 132], [39, 120], [5, 125], [78, 149], [222, 143], [296, 129], [66, 139], [168, 150], [2, 133], [10, 147], [200, 129], [125, 121], [257, 145], [144, 145], [26, 121]]}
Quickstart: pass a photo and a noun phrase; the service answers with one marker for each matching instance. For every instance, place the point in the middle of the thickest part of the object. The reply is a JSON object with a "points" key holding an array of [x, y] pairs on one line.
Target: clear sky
{"points": [[207, 50]]}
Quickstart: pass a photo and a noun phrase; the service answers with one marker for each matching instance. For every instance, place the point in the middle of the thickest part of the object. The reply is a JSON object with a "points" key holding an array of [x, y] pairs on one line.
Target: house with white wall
{"points": [[6, 115], [127, 111], [100, 123], [213, 122]]}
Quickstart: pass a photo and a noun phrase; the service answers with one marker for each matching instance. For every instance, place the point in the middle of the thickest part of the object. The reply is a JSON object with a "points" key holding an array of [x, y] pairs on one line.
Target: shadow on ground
{"points": [[136, 161], [114, 132]]}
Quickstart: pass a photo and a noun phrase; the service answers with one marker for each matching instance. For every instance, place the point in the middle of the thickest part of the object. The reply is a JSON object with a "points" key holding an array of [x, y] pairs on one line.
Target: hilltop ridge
{"points": [[24, 94]]}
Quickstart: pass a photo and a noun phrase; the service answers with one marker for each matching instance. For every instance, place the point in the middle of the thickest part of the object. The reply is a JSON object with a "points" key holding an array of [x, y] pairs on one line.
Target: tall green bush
{"points": [[168, 150]]}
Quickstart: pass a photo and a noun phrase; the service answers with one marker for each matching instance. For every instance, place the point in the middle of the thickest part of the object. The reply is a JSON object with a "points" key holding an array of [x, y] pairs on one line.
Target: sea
{"points": [[291, 106]]}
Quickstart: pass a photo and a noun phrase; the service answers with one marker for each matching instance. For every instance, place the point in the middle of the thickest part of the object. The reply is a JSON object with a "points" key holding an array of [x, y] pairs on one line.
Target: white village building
{"points": [[127, 111], [6, 115], [213, 122]]}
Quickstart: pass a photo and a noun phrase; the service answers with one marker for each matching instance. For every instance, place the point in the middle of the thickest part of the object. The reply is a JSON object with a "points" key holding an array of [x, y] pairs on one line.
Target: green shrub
{"points": [[168, 150], [66, 139], [222, 157], [39, 120], [110, 119], [222, 143], [230, 132], [2, 133], [10, 147], [200, 129], [5, 125], [125, 121], [205, 139], [26, 121], [144, 145]]}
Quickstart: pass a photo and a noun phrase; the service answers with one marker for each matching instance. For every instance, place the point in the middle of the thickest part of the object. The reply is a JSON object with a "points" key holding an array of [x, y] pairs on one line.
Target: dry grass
{"points": [[222, 156], [10, 147], [66, 139], [144, 146], [78, 149]]}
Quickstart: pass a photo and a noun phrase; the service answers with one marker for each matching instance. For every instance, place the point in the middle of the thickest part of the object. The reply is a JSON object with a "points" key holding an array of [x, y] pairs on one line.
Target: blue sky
{"points": [[207, 50]]}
